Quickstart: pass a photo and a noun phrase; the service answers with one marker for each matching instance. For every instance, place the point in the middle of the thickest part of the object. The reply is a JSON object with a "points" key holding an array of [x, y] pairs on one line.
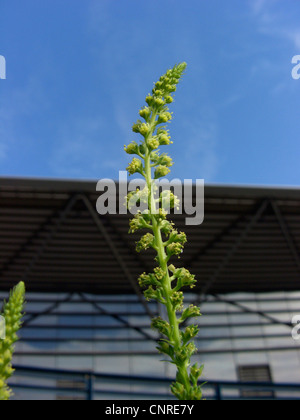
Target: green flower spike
{"points": [[165, 283], [12, 313]]}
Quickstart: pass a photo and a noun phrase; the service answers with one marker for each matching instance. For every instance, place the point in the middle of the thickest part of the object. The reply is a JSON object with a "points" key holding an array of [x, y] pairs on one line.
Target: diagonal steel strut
{"points": [[286, 233], [34, 236], [115, 252], [223, 264], [116, 317]]}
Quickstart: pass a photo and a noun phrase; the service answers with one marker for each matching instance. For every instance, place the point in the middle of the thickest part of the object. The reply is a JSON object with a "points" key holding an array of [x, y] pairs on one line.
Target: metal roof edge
{"points": [[216, 190]]}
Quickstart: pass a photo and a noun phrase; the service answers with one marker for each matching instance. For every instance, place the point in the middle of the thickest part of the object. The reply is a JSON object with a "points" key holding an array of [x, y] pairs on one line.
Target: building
{"points": [[85, 313]]}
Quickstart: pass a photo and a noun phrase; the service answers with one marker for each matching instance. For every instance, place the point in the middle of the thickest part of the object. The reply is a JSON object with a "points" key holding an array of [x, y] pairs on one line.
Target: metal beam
{"points": [[115, 252], [142, 339], [28, 242], [140, 314], [211, 244], [124, 327], [127, 245], [225, 261], [204, 352], [246, 310], [47, 311], [62, 217], [116, 317], [286, 233]]}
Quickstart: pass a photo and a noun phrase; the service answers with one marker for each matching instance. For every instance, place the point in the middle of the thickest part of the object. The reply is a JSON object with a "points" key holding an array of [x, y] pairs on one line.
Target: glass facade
{"points": [[111, 335]]}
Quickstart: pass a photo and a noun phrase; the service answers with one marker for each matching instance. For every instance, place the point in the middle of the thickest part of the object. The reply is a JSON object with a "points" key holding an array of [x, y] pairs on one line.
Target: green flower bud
{"points": [[164, 117], [171, 88], [161, 325], [189, 333], [136, 126], [164, 140], [159, 102], [177, 300], [161, 216], [166, 226], [153, 143], [174, 249], [185, 278], [169, 99], [195, 374], [166, 160], [169, 200], [178, 237], [191, 349], [132, 148], [178, 390], [195, 394], [138, 222], [190, 312], [149, 100], [162, 130], [158, 92], [150, 294], [135, 166], [145, 243], [159, 273], [161, 171], [145, 113], [144, 280], [136, 197], [166, 348], [144, 129]]}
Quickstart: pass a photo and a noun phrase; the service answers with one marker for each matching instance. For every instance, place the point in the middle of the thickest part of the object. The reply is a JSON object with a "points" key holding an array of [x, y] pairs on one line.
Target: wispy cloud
{"points": [[274, 23]]}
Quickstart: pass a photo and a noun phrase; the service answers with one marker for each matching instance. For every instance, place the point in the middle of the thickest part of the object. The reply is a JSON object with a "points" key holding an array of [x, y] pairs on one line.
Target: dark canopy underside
{"points": [[52, 237]]}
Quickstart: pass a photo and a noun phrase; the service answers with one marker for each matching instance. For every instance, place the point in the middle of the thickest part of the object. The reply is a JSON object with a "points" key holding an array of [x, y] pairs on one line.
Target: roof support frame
{"points": [[287, 234], [200, 253], [246, 310], [126, 244], [117, 318], [47, 311], [225, 261], [115, 252], [62, 217], [61, 214]]}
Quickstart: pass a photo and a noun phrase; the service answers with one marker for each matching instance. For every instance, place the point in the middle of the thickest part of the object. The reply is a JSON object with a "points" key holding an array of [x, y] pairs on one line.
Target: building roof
{"points": [[53, 238]]}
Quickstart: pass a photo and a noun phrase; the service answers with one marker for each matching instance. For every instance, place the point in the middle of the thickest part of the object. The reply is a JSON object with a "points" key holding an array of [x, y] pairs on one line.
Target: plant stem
{"points": [[164, 238], [166, 283]]}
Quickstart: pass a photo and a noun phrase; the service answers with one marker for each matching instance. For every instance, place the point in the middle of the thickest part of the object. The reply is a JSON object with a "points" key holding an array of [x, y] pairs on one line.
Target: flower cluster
{"points": [[166, 282], [12, 313], [163, 160], [136, 166], [137, 197], [183, 277]]}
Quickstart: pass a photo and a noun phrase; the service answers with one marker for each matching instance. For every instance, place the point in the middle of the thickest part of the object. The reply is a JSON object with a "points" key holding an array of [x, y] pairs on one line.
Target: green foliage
{"points": [[12, 313], [165, 283]]}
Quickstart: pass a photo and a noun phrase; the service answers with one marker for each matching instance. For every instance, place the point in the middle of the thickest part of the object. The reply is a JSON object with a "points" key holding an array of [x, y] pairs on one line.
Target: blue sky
{"points": [[78, 72]]}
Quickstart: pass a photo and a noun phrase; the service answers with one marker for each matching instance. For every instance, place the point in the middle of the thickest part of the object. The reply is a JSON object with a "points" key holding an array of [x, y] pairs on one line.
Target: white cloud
{"points": [[274, 23]]}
